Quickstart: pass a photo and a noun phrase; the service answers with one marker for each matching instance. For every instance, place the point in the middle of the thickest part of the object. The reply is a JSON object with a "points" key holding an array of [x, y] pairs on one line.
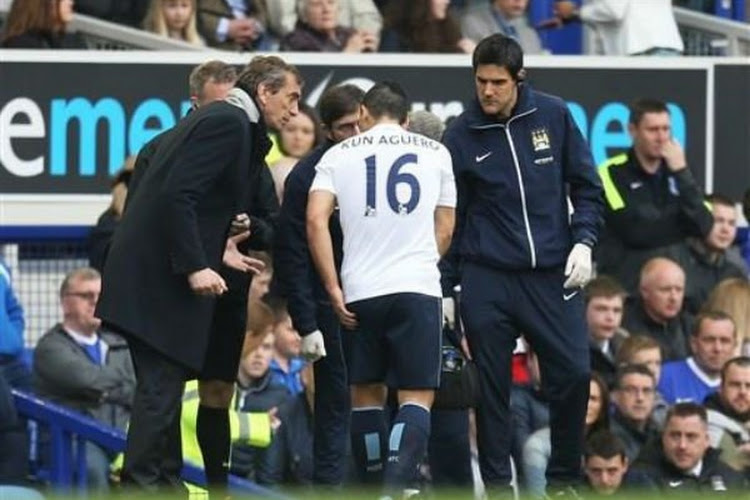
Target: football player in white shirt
{"points": [[396, 197]]}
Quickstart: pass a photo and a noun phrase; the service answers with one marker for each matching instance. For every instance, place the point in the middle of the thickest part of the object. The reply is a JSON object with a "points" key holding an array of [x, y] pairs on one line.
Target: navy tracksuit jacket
{"points": [[310, 310], [513, 236]]}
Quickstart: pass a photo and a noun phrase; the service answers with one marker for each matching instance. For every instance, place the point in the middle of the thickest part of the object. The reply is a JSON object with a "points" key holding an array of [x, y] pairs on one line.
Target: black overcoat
{"points": [[175, 223]]}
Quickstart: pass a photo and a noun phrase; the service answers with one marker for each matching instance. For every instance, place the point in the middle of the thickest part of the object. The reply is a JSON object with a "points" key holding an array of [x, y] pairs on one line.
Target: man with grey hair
{"points": [[161, 279], [426, 123]]}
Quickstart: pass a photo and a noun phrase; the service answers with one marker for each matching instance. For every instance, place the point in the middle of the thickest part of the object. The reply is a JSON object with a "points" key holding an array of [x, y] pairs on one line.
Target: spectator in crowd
{"points": [[633, 399], [707, 261], [210, 81], [101, 234], [712, 342], [653, 201], [423, 26], [732, 296], [128, 12], [605, 463], [12, 366], [729, 414], [361, 15], [627, 27], [682, 460], [657, 311], [522, 268], [257, 392], [286, 364], [501, 16], [311, 312], [643, 350], [205, 168], [86, 368], [291, 453], [297, 138], [174, 19], [318, 30], [605, 299], [40, 24], [529, 408], [238, 25], [538, 448], [261, 283]]}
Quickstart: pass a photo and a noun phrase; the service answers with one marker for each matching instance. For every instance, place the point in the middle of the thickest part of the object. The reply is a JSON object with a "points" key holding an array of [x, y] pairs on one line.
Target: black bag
{"points": [[459, 381]]}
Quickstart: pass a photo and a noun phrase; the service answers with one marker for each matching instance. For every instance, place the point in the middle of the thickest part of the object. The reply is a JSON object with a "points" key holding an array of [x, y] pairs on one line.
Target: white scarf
{"points": [[238, 97]]}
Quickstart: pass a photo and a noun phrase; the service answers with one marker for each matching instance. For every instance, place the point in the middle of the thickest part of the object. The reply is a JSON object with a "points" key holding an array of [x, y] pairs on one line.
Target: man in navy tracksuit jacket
{"points": [[307, 300], [516, 155]]}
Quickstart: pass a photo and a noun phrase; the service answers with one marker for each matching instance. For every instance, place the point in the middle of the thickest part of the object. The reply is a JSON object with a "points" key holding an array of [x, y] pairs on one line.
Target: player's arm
{"points": [[320, 206], [445, 220], [445, 211]]}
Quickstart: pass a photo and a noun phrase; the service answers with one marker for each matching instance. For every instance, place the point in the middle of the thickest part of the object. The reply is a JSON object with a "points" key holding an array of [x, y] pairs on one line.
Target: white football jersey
{"points": [[387, 183]]}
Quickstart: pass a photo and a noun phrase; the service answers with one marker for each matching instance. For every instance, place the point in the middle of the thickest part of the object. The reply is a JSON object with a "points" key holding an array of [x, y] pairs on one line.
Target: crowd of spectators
{"points": [[611, 27]]}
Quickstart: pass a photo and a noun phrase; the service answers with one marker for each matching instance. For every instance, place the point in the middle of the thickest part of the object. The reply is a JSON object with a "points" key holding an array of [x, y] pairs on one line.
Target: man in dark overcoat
{"points": [[162, 276]]}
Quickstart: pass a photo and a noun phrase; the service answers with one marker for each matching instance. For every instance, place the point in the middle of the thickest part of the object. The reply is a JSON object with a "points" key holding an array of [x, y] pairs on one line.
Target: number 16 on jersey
{"points": [[395, 177]]}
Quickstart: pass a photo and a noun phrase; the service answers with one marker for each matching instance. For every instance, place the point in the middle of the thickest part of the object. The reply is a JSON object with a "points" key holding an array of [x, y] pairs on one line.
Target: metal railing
{"points": [[707, 35], [104, 35], [69, 432]]}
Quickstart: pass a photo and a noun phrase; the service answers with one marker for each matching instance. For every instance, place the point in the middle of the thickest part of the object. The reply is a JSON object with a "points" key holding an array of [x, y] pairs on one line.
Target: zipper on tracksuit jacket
{"points": [[522, 190]]}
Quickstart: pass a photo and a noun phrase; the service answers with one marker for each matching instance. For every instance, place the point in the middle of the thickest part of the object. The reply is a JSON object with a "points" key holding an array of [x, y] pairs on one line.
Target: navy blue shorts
{"points": [[398, 341]]}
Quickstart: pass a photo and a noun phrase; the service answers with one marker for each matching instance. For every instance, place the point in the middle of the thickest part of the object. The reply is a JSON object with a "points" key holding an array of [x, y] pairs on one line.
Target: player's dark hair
{"points": [[339, 101], [502, 51], [640, 107], [387, 99]]}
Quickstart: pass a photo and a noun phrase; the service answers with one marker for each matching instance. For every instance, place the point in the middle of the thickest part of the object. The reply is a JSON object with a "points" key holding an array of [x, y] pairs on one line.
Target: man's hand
{"points": [[361, 41], [243, 31], [237, 260], [347, 318], [313, 348], [207, 282], [274, 420], [449, 312], [578, 268], [673, 155], [240, 224]]}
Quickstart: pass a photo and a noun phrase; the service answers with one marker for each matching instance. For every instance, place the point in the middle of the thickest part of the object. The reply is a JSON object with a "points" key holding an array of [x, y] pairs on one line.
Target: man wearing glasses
{"points": [[85, 368], [633, 397]]}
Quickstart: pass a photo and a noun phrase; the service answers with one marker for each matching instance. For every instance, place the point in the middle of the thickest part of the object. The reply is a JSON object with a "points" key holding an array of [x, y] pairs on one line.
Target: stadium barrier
{"points": [[69, 431]]}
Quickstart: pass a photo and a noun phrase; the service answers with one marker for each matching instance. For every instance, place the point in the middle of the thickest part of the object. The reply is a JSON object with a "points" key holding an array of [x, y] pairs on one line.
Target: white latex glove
{"points": [[449, 312], [313, 348], [578, 268]]}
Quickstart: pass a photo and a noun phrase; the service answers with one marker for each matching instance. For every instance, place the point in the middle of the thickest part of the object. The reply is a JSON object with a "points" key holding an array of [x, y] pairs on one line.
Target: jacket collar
{"points": [[525, 105]]}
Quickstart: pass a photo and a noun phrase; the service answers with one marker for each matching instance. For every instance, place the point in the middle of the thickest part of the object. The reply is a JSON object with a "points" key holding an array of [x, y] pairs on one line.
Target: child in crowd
{"points": [[173, 19]]}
